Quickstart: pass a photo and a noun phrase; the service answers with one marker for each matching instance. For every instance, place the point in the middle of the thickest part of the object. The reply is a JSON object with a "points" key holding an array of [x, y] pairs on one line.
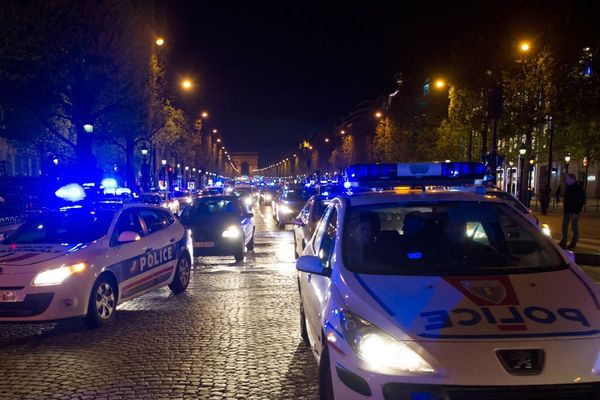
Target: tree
{"points": [[64, 63]]}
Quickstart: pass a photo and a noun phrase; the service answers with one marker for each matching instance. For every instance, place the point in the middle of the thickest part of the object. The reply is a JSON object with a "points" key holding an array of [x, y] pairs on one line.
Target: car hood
{"points": [[534, 306], [23, 255]]}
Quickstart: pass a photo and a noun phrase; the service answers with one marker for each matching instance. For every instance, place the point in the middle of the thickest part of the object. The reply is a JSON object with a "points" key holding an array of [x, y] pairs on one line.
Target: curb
{"points": [[587, 259]]}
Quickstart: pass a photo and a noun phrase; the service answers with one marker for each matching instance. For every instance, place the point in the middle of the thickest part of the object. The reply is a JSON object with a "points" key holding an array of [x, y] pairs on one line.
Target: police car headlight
{"points": [[381, 352], [248, 201], [233, 232], [285, 209], [546, 230], [56, 276]]}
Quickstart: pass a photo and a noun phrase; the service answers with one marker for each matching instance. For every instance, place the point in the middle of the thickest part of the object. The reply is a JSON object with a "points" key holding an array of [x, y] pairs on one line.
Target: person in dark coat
{"points": [[545, 199], [557, 195], [573, 202]]}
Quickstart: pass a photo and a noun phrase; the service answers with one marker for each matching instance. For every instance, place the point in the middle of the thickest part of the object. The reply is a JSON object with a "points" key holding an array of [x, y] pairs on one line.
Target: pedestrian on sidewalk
{"points": [[573, 201], [545, 198], [557, 195]]}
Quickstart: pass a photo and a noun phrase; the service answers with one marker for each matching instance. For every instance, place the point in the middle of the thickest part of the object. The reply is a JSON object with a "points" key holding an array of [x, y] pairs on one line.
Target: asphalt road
{"points": [[233, 335]]}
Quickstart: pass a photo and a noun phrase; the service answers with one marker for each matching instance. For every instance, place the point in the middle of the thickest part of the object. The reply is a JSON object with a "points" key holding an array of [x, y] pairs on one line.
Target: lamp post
{"points": [[521, 184], [145, 173], [567, 161], [530, 181]]}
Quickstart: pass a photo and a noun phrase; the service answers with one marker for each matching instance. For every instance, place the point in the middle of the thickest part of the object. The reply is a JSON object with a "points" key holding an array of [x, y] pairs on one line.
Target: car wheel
{"points": [[325, 381], [250, 245], [183, 271], [303, 330], [102, 303], [239, 256]]}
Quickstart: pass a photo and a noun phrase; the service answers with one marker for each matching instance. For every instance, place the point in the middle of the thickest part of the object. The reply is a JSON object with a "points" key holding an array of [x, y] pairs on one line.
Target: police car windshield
{"points": [[444, 238], [59, 227], [510, 200]]}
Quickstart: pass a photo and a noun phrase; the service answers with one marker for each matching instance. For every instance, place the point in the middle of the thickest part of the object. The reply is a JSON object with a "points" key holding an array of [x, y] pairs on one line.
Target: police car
{"points": [[410, 293], [83, 261]]}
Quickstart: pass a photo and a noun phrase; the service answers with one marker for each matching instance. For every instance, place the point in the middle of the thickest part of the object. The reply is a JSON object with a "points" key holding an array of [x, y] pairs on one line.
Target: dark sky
{"points": [[271, 73]]}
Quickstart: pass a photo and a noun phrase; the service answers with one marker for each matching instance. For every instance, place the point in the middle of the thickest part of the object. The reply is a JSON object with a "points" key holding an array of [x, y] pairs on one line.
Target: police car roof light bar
{"points": [[415, 174]]}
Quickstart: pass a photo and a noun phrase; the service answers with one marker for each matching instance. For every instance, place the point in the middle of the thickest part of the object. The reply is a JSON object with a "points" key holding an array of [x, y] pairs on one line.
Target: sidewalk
{"points": [[588, 246]]}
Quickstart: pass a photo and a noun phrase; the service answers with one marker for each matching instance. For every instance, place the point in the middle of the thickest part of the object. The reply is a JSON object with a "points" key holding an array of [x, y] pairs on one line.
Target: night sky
{"points": [[272, 73]]}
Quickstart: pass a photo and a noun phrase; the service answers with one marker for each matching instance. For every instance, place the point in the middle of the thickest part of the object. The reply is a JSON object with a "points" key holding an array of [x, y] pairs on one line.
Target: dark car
{"points": [[267, 194], [306, 222], [220, 225], [289, 203]]}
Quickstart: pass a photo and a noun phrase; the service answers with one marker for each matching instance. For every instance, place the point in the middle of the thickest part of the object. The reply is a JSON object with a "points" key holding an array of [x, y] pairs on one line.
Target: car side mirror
{"points": [[312, 265], [128, 236], [298, 221]]}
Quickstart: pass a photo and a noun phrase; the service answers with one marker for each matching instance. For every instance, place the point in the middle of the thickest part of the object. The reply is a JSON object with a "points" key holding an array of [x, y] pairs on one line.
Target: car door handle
{"points": [[147, 249]]}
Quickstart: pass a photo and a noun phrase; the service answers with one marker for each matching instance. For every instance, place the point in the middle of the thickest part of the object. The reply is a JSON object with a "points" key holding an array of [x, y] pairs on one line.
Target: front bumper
{"points": [[220, 247], [44, 303], [472, 371], [583, 391]]}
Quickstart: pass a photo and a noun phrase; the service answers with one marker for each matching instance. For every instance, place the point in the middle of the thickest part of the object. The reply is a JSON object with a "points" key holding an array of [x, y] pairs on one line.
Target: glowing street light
{"points": [[326, 140], [343, 132], [214, 131], [164, 162], [186, 84], [218, 140], [378, 114], [159, 41], [524, 46], [204, 114], [440, 83]]}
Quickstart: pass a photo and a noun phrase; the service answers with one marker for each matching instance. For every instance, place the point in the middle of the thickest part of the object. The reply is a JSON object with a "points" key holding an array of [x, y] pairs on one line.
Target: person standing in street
{"points": [[545, 199], [573, 201], [557, 195]]}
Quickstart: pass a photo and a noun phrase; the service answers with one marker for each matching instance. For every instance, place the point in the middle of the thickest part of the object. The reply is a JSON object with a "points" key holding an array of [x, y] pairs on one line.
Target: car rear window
{"points": [[445, 238]]}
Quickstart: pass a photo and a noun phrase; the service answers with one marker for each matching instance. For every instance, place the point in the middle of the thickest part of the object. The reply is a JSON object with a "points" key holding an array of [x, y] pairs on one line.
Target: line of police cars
{"points": [[83, 259]]}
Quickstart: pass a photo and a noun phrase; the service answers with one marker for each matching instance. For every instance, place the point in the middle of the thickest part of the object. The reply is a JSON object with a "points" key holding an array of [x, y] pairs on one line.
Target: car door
{"points": [[315, 288], [128, 254], [160, 250]]}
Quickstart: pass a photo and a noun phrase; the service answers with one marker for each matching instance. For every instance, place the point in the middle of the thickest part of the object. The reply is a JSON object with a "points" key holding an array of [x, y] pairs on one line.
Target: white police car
{"points": [[83, 261], [418, 294]]}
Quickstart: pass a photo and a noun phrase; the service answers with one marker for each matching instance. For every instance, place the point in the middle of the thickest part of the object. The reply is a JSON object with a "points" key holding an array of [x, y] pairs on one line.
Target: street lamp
{"points": [[440, 84], [567, 161], [378, 114], [186, 84], [218, 140], [215, 131], [159, 41], [524, 46], [204, 114], [520, 183]]}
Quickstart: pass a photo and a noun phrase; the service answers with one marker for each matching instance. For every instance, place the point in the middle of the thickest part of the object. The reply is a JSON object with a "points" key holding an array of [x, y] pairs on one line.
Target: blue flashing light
{"points": [[325, 193], [415, 256], [444, 173], [109, 183], [71, 192]]}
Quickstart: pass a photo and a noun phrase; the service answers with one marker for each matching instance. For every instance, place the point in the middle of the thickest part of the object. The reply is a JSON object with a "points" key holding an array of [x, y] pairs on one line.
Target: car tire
{"points": [[183, 272], [250, 245], [325, 380], [303, 330], [102, 303], [239, 255]]}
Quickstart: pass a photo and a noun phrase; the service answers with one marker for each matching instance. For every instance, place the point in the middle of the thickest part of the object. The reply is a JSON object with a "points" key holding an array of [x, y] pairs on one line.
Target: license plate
{"points": [[204, 244], [8, 296]]}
